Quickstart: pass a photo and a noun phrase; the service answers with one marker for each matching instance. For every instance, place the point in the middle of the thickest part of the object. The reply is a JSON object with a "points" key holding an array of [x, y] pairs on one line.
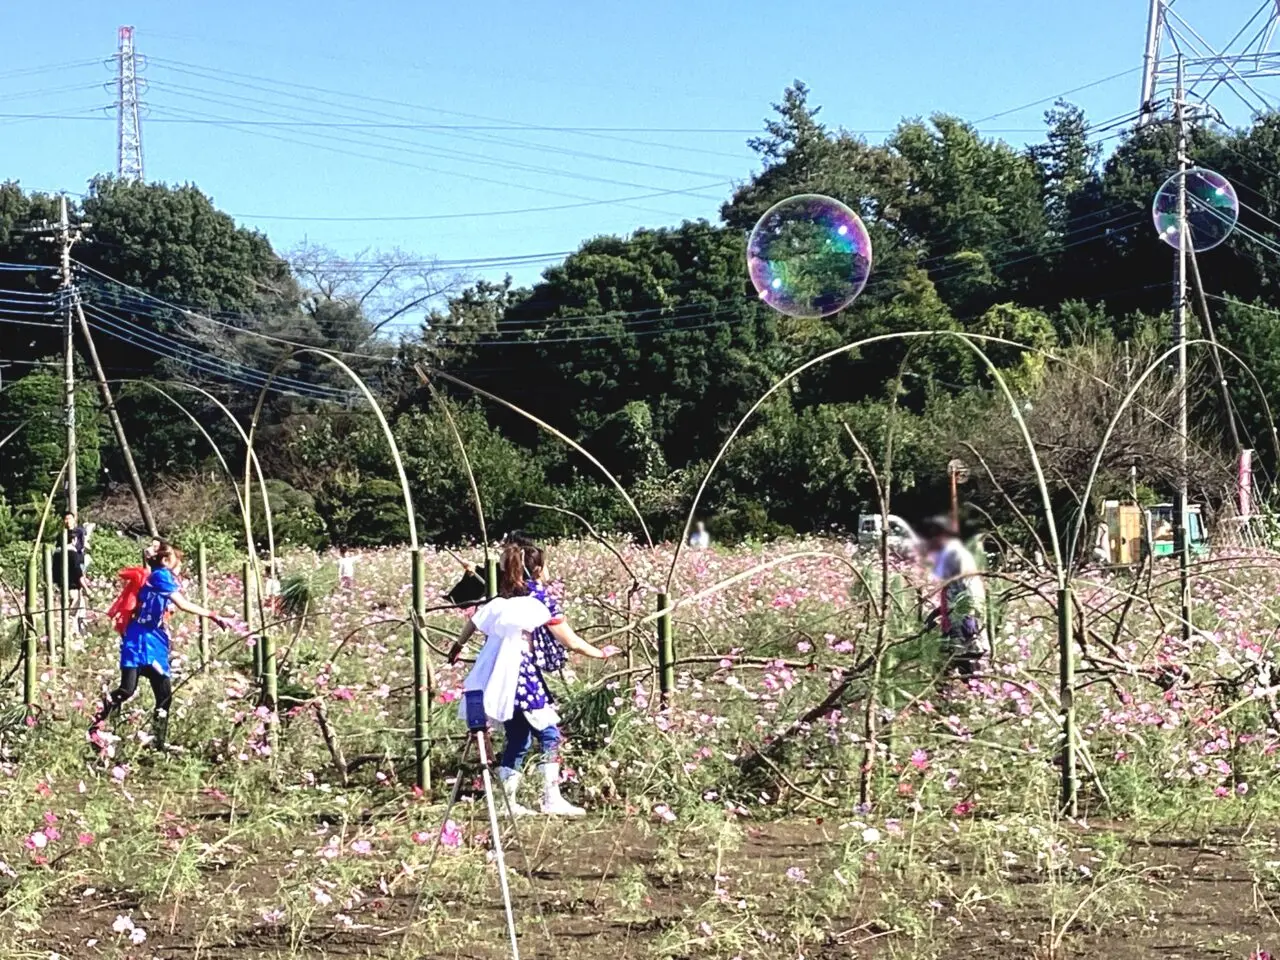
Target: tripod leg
{"points": [[435, 850], [453, 802], [485, 763]]}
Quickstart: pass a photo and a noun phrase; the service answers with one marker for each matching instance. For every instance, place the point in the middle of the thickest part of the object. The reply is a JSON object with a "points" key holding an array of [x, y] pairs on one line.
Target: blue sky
{"points": [[710, 66]]}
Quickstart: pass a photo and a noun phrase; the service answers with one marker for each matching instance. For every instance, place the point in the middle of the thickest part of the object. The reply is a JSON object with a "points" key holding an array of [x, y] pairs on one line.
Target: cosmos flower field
{"points": [[816, 787]]}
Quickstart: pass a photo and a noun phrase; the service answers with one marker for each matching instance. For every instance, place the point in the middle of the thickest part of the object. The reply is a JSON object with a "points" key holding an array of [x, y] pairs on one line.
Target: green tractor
{"points": [[1160, 521]]}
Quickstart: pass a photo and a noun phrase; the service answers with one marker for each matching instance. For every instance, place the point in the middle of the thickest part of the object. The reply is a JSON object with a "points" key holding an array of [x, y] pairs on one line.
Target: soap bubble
{"points": [[1212, 209], [809, 256]]}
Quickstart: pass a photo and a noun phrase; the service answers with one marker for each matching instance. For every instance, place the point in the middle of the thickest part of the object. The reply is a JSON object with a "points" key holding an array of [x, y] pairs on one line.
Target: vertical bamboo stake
{"points": [[666, 650], [491, 577], [1066, 693], [270, 688], [29, 635], [422, 679], [247, 589], [48, 601], [202, 576], [65, 575]]}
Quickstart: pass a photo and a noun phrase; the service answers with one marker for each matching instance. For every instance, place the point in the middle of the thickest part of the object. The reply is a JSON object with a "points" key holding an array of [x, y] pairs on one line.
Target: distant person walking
{"points": [[700, 539], [346, 570], [76, 584], [961, 596]]}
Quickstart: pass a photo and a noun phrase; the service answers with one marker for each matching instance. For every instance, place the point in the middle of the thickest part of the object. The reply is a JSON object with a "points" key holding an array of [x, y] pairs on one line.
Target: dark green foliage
{"points": [[294, 520], [650, 348]]}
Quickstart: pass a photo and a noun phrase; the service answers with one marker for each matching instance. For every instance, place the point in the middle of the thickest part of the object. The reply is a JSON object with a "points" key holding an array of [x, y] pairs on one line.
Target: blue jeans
{"points": [[520, 736]]}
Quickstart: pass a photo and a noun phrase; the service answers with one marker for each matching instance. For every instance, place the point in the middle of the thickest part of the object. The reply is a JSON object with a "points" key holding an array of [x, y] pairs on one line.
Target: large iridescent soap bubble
{"points": [[809, 256], [1212, 209]]}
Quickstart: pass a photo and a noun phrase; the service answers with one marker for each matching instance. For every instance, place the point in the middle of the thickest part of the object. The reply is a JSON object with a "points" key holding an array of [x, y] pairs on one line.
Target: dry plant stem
{"points": [[871, 709], [466, 465], [785, 779], [1022, 517], [553, 431], [592, 533], [330, 741]]}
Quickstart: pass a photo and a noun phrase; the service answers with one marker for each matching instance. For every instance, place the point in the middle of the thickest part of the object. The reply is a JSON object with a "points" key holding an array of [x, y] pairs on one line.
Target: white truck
{"points": [[902, 540]]}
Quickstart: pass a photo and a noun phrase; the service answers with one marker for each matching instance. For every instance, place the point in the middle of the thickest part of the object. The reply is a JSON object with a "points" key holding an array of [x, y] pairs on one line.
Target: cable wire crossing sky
{"points": [[498, 151]]}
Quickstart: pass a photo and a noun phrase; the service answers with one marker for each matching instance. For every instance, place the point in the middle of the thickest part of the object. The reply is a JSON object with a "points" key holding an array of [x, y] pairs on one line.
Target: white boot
{"points": [[552, 803], [510, 784]]}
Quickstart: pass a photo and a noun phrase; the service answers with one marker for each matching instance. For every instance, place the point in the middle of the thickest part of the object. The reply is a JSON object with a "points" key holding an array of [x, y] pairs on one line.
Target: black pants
{"points": [[161, 687]]}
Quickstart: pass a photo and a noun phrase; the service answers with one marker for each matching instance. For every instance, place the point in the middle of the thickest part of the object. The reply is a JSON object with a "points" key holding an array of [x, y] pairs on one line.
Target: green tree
{"points": [[31, 461]]}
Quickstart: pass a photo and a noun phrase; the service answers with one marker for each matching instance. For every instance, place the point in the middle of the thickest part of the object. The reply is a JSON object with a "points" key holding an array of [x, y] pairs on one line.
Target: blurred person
{"points": [[961, 596], [700, 539], [76, 586], [346, 569]]}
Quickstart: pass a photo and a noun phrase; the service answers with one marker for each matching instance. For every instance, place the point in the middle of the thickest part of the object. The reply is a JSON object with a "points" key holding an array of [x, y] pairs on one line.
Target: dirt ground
{"points": [[1197, 899]]}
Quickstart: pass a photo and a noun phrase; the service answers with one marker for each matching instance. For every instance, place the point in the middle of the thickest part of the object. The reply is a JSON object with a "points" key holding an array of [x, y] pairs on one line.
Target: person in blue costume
{"points": [[144, 648]]}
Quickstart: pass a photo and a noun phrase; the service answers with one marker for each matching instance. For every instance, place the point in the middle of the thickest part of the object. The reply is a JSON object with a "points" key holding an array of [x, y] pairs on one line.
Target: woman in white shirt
{"points": [[506, 684]]}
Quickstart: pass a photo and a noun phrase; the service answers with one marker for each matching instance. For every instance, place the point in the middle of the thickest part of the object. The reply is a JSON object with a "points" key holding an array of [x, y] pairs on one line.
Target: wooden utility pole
{"points": [[1180, 338], [109, 403], [65, 239]]}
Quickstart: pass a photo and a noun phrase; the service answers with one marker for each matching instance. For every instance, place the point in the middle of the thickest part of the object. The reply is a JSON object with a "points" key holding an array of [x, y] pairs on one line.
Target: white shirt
{"points": [[347, 567], [507, 623], [700, 540], [965, 591]]}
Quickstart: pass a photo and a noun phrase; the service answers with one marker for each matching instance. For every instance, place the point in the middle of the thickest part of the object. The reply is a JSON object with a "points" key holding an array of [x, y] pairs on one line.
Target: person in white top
{"points": [[962, 596], [700, 539], [506, 684], [346, 569]]}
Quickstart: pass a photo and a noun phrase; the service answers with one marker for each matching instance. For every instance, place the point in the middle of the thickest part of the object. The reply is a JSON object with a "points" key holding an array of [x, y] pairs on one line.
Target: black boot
{"points": [[160, 730]]}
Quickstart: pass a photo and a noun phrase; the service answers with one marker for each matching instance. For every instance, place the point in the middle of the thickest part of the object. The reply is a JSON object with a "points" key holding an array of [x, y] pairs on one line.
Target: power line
{"points": [[206, 363]]}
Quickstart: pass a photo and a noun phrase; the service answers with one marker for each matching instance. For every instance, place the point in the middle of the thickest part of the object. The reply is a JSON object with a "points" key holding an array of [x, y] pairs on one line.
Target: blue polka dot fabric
{"points": [[531, 692], [547, 652]]}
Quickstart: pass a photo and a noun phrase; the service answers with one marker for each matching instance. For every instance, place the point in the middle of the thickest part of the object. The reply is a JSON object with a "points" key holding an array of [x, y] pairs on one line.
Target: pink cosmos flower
{"points": [[920, 760], [797, 875], [664, 813], [451, 835], [361, 847]]}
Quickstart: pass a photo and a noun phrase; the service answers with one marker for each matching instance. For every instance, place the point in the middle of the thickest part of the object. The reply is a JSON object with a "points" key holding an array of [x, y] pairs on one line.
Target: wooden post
{"points": [[48, 601], [666, 651], [955, 499], [65, 582], [422, 679], [1066, 694], [202, 577], [29, 635], [109, 404]]}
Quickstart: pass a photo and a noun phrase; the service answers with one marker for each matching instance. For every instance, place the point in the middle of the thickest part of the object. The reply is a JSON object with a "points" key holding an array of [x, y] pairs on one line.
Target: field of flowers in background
{"points": [[815, 789]]}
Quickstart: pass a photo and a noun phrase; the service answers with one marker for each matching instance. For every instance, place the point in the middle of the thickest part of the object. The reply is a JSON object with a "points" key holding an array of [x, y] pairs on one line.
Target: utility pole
{"points": [[109, 403], [1181, 546], [65, 239], [1133, 423]]}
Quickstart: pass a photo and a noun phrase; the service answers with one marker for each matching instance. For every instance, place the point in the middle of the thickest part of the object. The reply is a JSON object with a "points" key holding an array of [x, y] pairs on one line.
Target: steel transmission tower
{"points": [[1249, 56], [128, 124]]}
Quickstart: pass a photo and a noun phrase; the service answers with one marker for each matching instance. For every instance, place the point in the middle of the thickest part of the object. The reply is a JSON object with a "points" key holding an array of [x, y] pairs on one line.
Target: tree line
{"points": [[649, 348]]}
